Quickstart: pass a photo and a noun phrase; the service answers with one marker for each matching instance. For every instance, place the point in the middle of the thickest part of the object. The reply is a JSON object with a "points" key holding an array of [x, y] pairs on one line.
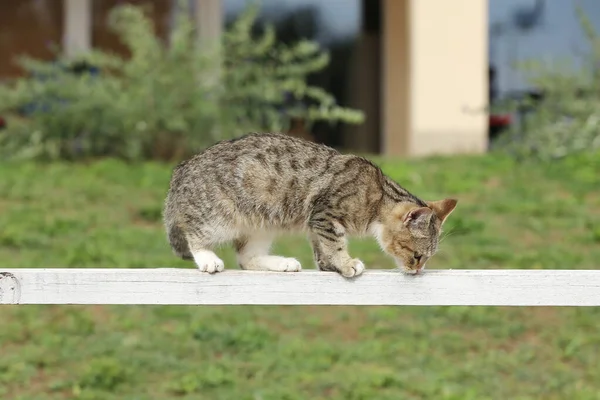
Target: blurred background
{"points": [[495, 102]]}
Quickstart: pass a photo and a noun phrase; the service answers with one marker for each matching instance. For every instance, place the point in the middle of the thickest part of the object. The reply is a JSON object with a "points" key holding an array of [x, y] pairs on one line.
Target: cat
{"points": [[247, 190]]}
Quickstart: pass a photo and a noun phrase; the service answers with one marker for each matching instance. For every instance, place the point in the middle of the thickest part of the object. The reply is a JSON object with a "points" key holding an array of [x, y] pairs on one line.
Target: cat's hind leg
{"points": [[253, 254], [206, 260]]}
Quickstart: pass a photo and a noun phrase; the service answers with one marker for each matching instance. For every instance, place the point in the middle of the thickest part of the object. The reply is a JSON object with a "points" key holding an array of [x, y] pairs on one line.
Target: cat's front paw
{"points": [[207, 261], [352, 268], [291, 265]]}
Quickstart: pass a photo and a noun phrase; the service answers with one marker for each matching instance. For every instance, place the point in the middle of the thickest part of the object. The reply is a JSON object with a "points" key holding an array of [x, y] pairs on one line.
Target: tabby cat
{"points": [[247, 190]]}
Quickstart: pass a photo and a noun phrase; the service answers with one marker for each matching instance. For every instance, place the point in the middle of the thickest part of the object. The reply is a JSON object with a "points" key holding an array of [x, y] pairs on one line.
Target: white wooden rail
{"points": [[188, 286]]}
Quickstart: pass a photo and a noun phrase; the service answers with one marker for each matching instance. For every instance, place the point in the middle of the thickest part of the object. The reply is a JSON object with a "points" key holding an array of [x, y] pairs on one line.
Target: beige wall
{"points": [[435, 77]]}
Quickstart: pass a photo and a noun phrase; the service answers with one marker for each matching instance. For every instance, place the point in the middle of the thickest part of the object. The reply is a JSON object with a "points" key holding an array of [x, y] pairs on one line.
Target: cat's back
{"points": [[271, 145], [265, 153], [262, 178], [274, 179]]}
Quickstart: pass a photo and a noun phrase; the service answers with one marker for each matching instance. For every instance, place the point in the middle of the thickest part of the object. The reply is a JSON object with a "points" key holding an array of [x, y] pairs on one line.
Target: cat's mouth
{"points": [[408, 270]]}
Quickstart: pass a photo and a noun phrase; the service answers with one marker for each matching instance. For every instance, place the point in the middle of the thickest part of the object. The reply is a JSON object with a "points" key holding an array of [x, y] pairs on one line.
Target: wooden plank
{"points": [[374, 287]]}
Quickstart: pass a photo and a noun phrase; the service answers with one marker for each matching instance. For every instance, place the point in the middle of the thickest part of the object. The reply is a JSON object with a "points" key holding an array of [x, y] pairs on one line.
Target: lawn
{"points": [[108, 214]]}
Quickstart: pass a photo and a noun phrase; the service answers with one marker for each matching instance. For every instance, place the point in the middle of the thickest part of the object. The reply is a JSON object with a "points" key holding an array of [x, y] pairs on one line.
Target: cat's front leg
{"points": [[329, 245]]}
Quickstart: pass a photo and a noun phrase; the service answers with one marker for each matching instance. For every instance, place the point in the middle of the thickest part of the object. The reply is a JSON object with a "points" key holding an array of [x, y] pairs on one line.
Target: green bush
{"points": [[567, 120], [164, 100]]}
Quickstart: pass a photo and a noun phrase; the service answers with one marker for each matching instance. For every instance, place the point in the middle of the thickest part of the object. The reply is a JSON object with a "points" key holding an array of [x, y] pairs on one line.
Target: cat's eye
{"points": [[417, 257]]}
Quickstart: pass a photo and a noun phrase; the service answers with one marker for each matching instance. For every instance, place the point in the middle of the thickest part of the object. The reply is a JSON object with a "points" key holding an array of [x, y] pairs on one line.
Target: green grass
{"points": [[107, 214]]}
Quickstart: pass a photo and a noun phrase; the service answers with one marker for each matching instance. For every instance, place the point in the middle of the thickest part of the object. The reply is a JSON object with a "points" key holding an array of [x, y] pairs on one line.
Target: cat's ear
{"points": [[443, 208], [416, 215]]}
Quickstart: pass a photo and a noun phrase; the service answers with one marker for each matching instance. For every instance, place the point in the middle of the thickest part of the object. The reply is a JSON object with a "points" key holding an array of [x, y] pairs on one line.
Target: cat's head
{"points": [[411, 233]]}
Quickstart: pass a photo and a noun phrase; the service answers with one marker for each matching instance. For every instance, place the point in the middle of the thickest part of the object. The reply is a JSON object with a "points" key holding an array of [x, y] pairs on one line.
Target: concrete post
{"points": [[77, 34], [435, 77]]}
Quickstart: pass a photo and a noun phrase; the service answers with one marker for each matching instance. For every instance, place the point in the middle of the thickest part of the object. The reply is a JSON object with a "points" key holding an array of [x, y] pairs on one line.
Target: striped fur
{"points": [[248, 190]]}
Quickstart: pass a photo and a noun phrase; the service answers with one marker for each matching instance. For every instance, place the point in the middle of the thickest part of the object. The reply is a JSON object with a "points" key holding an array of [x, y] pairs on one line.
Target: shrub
{"points": [[163, 100], [567, 119]]}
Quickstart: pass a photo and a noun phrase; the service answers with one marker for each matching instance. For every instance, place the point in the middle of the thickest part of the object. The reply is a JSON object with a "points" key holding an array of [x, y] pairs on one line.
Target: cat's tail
{"points": [[178, 242]]}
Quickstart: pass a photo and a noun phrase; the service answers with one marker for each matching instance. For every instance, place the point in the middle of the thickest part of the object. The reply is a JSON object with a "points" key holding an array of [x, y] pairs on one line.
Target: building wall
{"points": [[449, 76], [365, 94], [435, 85], [28, 27], [364, 83], [548, 30], [33, 27]]}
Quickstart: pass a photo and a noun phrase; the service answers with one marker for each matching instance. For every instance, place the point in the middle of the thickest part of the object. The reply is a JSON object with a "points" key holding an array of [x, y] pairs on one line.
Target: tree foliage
{"points": [[164, 100]]}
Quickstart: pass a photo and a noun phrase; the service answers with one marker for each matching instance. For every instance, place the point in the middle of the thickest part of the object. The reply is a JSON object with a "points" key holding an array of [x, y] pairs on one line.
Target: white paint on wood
{"points": [[10, 292], [77, 31], [189, 286]]}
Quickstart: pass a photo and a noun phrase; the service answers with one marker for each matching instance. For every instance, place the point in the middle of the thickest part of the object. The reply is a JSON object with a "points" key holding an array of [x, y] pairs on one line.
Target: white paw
{"points": [[271, 263], [353, 268], [207, 261], [277, 264], [291, 265]]}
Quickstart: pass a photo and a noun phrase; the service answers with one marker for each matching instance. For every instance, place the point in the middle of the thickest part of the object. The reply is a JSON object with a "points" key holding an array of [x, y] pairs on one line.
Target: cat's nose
{"points": [[420, 264], [418, 270]]}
